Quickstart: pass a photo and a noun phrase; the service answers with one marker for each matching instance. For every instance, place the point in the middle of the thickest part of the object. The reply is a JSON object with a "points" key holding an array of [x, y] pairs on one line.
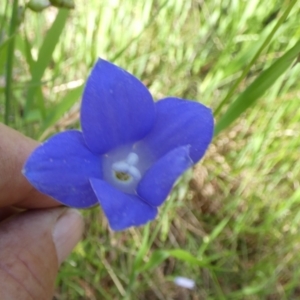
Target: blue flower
{"points": [[129, 153]]}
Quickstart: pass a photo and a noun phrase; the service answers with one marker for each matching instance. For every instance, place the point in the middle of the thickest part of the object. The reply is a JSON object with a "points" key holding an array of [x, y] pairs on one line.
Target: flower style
{"points": [[130, 152]]}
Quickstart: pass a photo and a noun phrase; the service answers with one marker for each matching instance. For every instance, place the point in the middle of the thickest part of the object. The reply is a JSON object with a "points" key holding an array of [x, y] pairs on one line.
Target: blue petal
{"points": [[117, 108], [178, 123], [61, 168], [157, 182], [122, 210]]}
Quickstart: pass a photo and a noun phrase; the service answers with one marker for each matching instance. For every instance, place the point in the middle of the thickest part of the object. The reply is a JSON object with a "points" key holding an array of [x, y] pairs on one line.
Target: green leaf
{"points": [[187, 257], [200, 261], [258, 87]]}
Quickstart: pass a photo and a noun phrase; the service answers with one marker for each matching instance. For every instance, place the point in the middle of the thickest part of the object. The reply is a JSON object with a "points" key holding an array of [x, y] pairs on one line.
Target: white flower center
{"points": [[126, 170], [124, 167]]}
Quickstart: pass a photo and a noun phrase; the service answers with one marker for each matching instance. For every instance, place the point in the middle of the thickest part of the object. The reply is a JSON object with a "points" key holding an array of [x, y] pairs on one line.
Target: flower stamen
{"points": [[122, 176]]}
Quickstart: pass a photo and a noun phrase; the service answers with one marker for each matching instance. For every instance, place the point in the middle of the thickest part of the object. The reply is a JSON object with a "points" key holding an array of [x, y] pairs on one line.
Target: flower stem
{"points": [[9, 62]]}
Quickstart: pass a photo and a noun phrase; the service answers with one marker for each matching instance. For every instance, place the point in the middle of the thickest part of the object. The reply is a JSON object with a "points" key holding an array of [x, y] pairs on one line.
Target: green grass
{"points": [[231, 224]]}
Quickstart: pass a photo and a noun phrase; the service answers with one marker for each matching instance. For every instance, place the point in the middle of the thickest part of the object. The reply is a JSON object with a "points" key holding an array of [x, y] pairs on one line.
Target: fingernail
{"points": [[67, 233]]}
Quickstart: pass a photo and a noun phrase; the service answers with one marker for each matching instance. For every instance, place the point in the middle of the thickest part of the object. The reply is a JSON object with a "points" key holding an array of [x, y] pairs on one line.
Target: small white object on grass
{"points": [[184, 282]]}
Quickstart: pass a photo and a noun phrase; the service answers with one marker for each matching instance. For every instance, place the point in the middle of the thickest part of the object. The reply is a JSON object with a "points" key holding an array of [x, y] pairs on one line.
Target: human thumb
{"points": [[32, 246]]}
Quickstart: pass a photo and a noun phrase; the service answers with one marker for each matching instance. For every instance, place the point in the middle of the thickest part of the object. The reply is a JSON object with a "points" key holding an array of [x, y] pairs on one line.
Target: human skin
{"points": [[36, 233]]}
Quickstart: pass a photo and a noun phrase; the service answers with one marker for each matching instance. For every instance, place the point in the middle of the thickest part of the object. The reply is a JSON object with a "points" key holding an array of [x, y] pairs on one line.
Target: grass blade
{"points": [[256, 56], [45, 56], [61, 108], [157, 257], [259, 86]]}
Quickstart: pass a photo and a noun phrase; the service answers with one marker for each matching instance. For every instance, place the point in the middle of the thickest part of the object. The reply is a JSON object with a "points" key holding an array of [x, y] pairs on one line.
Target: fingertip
{"points": [[15, 189], [67, 232]]}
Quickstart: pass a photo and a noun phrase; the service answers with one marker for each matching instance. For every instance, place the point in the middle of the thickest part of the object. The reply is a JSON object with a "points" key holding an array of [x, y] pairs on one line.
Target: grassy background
{"points": [[231, 223]]}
